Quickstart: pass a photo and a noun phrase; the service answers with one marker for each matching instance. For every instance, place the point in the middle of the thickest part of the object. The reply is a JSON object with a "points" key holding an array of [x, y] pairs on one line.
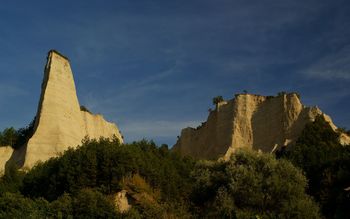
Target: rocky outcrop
{"points": [[249, 121], [121, 201], [5, 154], [60, 122]]}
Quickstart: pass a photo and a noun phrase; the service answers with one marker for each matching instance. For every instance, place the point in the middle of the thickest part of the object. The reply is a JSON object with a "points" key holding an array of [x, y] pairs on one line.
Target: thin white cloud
{"points": [[333, 66], [135, 90], [153, 78], [9, 90]]}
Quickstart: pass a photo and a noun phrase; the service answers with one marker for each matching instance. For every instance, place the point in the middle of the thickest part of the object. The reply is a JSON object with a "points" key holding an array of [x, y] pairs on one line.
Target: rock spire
{"points": [[60, 121]]}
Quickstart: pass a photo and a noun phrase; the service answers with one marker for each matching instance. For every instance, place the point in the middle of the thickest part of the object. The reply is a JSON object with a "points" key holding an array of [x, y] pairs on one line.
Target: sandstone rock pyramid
{"points": [[60, 123], [5, 154], [263, 123]]}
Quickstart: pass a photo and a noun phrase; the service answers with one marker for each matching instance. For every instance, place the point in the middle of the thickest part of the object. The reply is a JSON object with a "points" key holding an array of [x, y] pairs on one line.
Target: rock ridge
{"points": [[264, 123]]}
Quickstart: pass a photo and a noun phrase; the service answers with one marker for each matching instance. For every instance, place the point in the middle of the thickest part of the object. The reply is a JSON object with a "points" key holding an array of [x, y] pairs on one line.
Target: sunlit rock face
{"points": [[121, 202], [263, 123], [60, 123], [5, 154]]}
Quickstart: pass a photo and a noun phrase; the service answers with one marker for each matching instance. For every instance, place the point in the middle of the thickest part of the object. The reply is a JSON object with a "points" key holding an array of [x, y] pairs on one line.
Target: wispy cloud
{"points": [[153, 78], [159, 61], [135, 91], [10, 90], [333, 66]]}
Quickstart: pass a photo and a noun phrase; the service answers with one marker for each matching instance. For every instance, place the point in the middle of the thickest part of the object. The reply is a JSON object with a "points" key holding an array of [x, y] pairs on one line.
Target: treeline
{"points": [[82, 183], [326, 164], [16, 138], [100, 168]]}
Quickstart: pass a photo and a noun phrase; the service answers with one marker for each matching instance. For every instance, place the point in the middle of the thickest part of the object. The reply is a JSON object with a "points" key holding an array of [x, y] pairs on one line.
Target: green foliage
{"points": [[281, 93], [251, 185], [8, 137], [16, 138], [24, 134], [326, 164], [82, 182], [217, 100], [62, 207], [83, 108], [11, 181], [79, 182], [104, 164], [14, 205], [88, 203]]}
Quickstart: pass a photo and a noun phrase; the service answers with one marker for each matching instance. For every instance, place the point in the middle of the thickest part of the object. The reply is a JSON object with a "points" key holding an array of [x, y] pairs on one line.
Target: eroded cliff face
{"points": [[60, 123], [249, 121], [5, 155]]}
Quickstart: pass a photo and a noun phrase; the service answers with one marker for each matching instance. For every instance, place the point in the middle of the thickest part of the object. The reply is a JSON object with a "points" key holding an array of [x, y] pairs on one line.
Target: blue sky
{"points": [[153, 66]]}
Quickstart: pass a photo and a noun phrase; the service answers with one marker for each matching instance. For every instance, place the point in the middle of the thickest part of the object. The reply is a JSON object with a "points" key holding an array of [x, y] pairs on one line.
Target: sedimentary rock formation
{"points": [[121, 201], [5, 154], [60, 122], [250, 121]]}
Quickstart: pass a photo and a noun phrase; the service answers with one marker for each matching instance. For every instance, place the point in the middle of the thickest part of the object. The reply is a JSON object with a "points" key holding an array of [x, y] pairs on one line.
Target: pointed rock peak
{"points": [[60, 121], [53, 51]]}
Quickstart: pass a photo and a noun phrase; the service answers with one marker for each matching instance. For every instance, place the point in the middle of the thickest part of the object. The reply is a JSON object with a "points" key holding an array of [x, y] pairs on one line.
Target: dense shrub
{"points": [[251, 185], [16, 138], [103, 164], [81, 182], [326, 164]]}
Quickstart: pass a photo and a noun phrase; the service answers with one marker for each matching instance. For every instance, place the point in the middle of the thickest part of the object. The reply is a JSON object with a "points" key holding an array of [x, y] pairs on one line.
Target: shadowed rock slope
{"points": [[250, 121], [60, 123]]}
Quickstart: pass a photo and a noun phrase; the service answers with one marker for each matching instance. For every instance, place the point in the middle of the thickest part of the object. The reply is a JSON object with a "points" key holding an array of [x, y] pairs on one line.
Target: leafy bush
{"points": [[16, 138], [217, 100], [326, 164], [14, 205], [104, 164], [88, 203], [8, 137], [81, 182], [251, 185]]}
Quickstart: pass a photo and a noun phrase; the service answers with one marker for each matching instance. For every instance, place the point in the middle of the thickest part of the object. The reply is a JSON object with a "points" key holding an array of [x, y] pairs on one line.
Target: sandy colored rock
{"points": [[344, 139], [5, 154], [250, 121], [60, 123], [121, 201]]}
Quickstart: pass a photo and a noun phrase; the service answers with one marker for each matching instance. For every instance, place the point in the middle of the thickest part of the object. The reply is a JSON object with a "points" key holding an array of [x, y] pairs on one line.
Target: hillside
{"points": [[92, 180]]}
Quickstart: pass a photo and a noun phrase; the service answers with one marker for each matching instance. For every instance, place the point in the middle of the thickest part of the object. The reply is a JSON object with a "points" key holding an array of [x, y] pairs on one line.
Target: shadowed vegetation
{"points": [[82, 183]]}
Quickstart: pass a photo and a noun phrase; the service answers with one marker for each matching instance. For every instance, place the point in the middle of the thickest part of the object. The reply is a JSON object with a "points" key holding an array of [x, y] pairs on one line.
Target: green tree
{"points": [[217, 100], [24, 134], [62, 207], [326, 164], [16, 138], [104, 164], [89, 203], [9, 136], [12, 179], [14, 205], [252, 184]]}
